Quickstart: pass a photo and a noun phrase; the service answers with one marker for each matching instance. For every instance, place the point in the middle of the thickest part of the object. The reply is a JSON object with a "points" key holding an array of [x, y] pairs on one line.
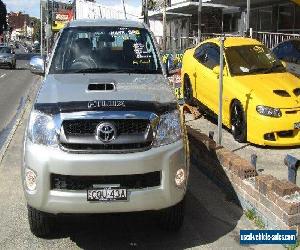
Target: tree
{"points": [[36, 23], [3, 14]]}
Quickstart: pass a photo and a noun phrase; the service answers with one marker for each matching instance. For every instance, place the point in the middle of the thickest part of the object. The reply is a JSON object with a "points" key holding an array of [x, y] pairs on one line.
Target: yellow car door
{"points": [[199, 80], [211, 83]]}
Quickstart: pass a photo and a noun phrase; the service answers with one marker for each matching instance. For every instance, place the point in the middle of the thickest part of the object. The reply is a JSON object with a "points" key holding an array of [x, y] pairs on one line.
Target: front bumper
{"points": [[269, 131], [6, 62], [46, 161]]}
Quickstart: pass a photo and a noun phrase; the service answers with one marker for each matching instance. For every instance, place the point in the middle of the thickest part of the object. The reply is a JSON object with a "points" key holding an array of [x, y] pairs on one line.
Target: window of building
{"points": [[286, 17], [254, 19], [297, 17], [265, 18]]}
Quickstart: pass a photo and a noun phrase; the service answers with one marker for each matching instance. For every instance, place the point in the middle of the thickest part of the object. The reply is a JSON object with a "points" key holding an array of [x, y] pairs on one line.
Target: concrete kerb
{"points": [[264, 194], [29, 98]]}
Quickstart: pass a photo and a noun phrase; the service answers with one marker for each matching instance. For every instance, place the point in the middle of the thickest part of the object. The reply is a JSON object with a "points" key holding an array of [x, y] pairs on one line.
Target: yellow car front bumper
{"points": [[270, 131]]}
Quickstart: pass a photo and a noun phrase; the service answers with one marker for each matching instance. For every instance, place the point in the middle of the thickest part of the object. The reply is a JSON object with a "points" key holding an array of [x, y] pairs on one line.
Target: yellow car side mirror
{"points": [[217, 70]]}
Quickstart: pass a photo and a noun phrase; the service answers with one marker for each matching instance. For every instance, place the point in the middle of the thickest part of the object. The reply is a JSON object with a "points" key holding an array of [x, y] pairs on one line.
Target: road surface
{"points": [[14, 87]]}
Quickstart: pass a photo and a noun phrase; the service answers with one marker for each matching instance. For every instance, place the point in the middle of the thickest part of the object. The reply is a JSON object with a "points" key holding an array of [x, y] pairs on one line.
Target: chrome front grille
{"points": [[133, 132], [88, 127]]}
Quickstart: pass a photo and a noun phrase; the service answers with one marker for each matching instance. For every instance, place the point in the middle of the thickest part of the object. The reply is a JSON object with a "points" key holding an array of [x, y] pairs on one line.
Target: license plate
{"points": [[297, 125], [107, 194]]}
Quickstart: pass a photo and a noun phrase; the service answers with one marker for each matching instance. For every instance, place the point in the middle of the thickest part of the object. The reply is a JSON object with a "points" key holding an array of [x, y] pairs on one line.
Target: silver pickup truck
{"points": [[105, 134]]}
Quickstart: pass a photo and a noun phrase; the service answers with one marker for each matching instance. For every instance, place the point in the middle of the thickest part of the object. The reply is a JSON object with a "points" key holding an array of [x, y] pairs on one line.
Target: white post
{"points": [[220, 116], [47, 20], [248, 16], [199, 20], [124, 9], [41, 16], [165, 26]]}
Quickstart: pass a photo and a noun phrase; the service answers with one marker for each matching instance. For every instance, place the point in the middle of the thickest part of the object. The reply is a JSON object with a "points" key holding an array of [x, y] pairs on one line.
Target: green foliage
{"points": [[293, 247], [259, 223], [251, 215], [3, 13], [36, 28]]}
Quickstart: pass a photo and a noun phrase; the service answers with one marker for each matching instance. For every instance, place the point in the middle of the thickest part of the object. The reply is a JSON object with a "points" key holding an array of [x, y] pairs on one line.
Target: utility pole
{"points": [[165, 26], [47, 37], [199, 20], [220, 115], [124, 9], [248, 16], [145, 11], [41, 16]]}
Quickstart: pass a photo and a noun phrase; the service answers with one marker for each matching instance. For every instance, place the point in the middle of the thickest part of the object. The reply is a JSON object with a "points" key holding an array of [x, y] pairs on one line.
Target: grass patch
{"points": [[293, 247], [251, 215]]}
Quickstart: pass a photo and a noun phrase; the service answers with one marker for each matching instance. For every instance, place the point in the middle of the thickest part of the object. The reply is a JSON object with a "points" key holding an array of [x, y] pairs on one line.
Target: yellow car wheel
{"points": [[188, 91], [238, 122]]}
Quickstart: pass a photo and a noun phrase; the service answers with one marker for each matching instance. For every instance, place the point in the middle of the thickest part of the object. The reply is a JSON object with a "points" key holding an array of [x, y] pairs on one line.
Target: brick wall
{"points": [[276, 202]]}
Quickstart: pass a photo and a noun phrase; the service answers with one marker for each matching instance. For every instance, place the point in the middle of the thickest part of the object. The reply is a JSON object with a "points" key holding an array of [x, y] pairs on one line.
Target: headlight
{"points": [[168, 129], [41, 129], [267, 111]]}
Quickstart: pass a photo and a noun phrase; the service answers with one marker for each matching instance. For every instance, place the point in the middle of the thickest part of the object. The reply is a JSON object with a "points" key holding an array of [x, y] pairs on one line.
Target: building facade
{"points": [[228, 16]]}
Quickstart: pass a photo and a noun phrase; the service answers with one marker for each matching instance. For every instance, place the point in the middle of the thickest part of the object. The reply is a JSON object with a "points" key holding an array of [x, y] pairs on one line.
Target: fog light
{"points": [[180, 177], [30, 179]]}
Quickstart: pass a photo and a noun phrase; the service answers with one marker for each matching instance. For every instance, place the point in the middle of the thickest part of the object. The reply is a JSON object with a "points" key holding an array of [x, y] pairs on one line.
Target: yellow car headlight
{"points": [[268, 111]]}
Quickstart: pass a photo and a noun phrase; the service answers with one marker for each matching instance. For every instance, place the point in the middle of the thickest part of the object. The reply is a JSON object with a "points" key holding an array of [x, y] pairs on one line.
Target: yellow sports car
{"points": [[261, 100]]}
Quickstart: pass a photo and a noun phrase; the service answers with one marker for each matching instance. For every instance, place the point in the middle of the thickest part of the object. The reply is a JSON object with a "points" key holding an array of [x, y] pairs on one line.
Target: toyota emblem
{"points": [[106, 132]]}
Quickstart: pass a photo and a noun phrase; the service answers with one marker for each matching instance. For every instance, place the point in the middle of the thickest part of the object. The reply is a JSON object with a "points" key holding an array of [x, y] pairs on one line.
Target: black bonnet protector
{"points": [[105, 105]]}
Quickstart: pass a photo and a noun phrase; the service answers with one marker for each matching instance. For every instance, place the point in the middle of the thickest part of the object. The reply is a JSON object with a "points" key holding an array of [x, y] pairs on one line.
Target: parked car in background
{"points": [[7, 57], [289, 52], [261, 101]]}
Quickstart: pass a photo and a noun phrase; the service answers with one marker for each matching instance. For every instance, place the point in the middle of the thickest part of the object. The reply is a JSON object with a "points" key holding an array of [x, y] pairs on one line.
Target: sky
{"points": [[31, 7]]}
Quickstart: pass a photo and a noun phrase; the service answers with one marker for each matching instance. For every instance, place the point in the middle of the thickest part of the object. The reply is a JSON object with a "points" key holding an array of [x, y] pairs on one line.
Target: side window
{"points": [[200, 53], [213, 56]]}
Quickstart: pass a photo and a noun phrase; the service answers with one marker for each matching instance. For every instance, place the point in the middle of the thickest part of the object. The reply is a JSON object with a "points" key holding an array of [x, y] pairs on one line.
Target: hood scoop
{"points": [[297, 92], [102, 87], [282, 93]]}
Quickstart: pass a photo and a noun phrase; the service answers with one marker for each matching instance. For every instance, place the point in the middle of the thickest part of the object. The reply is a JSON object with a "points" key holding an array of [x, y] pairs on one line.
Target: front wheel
{"points": [[171, 219], [238, 122], [41, 223]]}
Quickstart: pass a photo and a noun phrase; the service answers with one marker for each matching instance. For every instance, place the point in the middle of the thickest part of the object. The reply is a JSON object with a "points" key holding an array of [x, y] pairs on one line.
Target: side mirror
{"points": [[217, 70], [37, 65]]}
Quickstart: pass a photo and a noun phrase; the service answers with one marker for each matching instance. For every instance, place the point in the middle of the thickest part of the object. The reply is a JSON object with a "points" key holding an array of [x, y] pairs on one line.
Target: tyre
{"points": [[41, 224], [171, 219], [238, 122], [188, 91]]}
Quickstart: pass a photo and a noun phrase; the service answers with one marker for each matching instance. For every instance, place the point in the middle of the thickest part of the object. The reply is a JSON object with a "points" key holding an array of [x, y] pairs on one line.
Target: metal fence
{"points": [[182, 43], [271, 39]]}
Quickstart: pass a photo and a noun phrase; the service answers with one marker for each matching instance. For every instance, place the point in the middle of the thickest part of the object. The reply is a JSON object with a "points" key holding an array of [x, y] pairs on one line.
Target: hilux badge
{"points": [[103, 104]]}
